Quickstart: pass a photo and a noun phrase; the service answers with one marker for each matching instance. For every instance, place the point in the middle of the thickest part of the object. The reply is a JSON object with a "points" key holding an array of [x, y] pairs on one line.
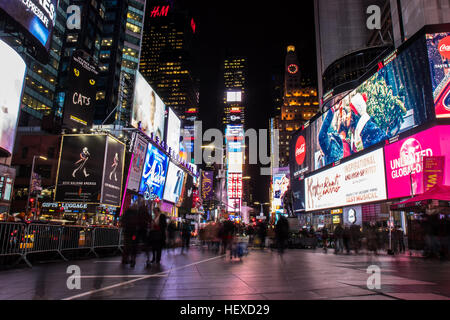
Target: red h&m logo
{"points": [[193, 25], [157, 12]]}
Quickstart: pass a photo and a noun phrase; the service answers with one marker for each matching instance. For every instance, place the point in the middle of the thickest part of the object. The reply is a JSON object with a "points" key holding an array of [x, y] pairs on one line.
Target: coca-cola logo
{"points": [[444, 47], [300, 150]]}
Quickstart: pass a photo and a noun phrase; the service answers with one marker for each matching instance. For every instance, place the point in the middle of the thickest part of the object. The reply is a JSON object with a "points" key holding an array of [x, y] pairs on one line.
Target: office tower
{"points": [[346, 47], [167, 57], [300, 104], [40, 88], [235, 89]]}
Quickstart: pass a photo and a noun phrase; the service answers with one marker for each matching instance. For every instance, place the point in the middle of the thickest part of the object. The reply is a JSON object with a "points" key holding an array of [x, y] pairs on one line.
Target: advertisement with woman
{"points": [[390, 102], [12, 68], [148, 109], [174, 183]]}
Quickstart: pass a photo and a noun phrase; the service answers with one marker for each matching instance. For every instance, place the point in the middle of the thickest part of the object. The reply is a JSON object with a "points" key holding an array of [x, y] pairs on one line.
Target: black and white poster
{"points": [[81, 91], [113, 173], [188, 191], [81, 168]]}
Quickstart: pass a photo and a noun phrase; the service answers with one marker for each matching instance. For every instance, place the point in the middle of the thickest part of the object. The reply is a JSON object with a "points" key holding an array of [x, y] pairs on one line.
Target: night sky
{"points": [[261, 31]]}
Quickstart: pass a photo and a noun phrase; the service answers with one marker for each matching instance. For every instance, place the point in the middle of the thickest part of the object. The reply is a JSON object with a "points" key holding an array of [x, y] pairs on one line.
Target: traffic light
{"points": [[32, 201]]}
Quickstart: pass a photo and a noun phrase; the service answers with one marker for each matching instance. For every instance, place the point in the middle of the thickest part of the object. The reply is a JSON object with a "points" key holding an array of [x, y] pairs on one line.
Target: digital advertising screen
{"points": [[300, 149], [148, 113], [392, 101], [80, 171], [173, 132], [113, 172], [234, 183], [207, 191], [81, 93], [174, 183], [137, 165], [280, 184], [235, 161], [438, 46], [38, 17], [358, 181], [404, 161], [12, 68], [154, 173], [7, 177]]}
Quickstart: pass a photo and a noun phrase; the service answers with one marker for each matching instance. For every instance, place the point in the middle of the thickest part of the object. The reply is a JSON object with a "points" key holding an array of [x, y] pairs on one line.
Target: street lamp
{"points": [[262, 204], [31, 180]]}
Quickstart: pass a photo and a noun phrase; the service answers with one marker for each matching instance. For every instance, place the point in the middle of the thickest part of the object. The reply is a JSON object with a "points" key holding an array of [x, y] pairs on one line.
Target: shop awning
{"points": [[438, 196]]}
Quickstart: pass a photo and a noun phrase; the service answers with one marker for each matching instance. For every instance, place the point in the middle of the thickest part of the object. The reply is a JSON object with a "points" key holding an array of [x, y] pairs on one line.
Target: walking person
{"points": [[157, 234], [339, 239], [281, 233], [129, 223], [325, 239], [171, 231], [186, 236]]}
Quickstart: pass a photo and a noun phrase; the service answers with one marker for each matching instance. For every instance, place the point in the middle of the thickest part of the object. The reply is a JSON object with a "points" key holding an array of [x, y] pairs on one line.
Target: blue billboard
{"points": [[154, 173]]}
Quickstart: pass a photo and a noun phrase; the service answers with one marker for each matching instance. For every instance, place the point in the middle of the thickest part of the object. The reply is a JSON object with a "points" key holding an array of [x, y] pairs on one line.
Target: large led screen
{"points": [[12, 68], [404, 160], [174, 183], [38, 17], [154, 173], [438, 46], [137, 164], [392, 101], [148, 109], [360, 180], [173, 132], [280, 184]]}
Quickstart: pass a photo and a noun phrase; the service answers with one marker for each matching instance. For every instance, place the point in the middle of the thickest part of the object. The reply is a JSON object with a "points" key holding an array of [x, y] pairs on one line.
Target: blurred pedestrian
{"points": [[281, 233], [347, 239], [339, 239], [130, 223], [157, 234], [372, 243], [262, 233], [325, 239], [171, 232], [355, 237], [186, 231]]}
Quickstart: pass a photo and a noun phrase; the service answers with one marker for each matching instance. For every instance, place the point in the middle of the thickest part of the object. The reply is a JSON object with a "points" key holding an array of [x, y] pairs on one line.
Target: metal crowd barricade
{"points": [[13, 239], [22, 240], [43, 238], [106, 238], [76, 238]]}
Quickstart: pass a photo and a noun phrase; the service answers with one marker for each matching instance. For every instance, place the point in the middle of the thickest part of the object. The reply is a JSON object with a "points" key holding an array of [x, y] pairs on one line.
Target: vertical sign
{"points": [[81, 91], [433, 171], [207, 185], [113, 172]]}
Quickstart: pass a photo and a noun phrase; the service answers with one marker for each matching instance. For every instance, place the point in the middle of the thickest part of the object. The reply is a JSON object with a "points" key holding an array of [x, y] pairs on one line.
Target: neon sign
{"points": [[193, 25], [159, 11]]}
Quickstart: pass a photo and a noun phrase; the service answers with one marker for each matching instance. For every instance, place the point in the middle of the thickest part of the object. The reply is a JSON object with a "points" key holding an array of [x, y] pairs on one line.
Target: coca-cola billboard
{"points": [[358, 181], [404, 160], [438, 46]]}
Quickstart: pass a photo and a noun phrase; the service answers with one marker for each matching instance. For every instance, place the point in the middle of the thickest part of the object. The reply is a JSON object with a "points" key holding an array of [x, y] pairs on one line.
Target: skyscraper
{"points": [[235, 82], [300, 104], [167, 56]]}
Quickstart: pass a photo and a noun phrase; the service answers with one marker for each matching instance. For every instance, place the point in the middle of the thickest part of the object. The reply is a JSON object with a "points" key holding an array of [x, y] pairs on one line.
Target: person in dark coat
{"points": [[262, 233], [281, 233], [157, 234], [339, 239], [130, 227], [186, 236]]}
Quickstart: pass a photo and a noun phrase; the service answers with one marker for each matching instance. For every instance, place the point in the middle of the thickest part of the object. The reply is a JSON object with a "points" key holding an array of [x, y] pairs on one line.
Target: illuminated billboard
{"points": [[357, 181], [12, 68], [113, 172], [404, 160], [174, 183], [173, 132], [80, 96], [234, 96], [138, 161], [154, 173], [280, 184], [235, 161], [439, 58], [392, 101], [38, 17], [148, 113]]}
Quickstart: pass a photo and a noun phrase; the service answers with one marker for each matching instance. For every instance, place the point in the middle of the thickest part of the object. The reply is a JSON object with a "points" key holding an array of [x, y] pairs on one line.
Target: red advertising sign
{"points": [[300, 150], [433, 171], [444, 47]]}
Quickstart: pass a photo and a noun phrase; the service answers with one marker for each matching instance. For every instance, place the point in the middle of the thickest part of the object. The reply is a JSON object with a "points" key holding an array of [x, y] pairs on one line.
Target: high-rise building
{"points": [[235, 71], [106, 31], [346, 47], [167, 56], [39, 92], [300, 104]]}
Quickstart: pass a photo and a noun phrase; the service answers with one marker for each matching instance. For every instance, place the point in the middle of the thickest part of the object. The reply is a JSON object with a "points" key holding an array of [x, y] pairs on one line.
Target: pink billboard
{"points": [[404, 160]]}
